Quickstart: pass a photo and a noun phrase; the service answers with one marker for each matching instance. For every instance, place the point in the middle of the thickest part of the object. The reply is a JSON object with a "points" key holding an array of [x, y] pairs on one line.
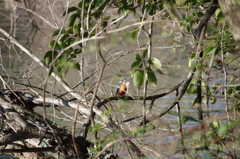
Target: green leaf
{"points": [[194, 101], [223, 130], [219, 15], [191, 89], [71, 9], [217, 11], [70, 30], [76, 29], [207, 155], [107, 17], [49, 56], [132, 72], [104, 23], [151, 77], [77, 51], [151, 9], [125, 10], [144, 53], [213, 100], [70, 41], [216, 124], [191, 60], [96, 127], [62, 60], [68, 51], [155, 62], [187, 118], [141, 130], [136, 64], [138, 57], [74, 64], [54, 45], [138, 78], [58, 31], [200, 14], [134, 32], [72, 19], [98, 3], [64, 37], [65, 69], [92, 24]]}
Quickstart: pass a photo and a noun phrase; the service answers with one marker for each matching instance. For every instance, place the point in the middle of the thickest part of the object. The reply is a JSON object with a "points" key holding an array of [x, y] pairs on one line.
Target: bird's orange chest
{"points": [[122, 89]]}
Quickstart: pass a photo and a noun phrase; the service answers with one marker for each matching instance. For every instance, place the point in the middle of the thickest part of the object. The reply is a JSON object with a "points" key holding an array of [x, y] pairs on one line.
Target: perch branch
{"points": [[167, 109], [99, 104]]}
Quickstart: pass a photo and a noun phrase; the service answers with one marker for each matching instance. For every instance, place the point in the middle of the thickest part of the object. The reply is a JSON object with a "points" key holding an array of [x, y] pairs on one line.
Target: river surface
{"points": [[164, 140]]}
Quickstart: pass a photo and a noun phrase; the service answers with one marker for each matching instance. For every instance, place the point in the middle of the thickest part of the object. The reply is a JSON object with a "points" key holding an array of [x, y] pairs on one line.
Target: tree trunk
{"points": [[231, 9]]}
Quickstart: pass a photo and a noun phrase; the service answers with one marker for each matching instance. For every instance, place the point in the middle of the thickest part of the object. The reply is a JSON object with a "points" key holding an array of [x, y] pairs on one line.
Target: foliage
{"points": [[217, 45], [139, 73], [103, 40]]}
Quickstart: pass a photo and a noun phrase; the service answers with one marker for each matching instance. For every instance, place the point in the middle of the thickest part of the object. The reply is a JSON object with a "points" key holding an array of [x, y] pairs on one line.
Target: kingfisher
{"points": [[121, 88]]}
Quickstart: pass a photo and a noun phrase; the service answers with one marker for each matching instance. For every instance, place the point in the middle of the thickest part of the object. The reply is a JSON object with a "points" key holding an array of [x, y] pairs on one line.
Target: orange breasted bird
{"points": [[121, 88]]}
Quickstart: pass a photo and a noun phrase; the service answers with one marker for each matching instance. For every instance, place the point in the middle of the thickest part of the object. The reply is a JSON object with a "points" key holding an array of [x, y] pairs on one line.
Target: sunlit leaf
{"points": [[96, 127], [54, 45], [76, 29], [62, 60], [209, 51], [219, 15], [138, 78], [204, 99], [132, 72], [70, 30], [223, 130], [74, 64], [191, 89], [216, 124], [191, 60], [155, 62]]}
